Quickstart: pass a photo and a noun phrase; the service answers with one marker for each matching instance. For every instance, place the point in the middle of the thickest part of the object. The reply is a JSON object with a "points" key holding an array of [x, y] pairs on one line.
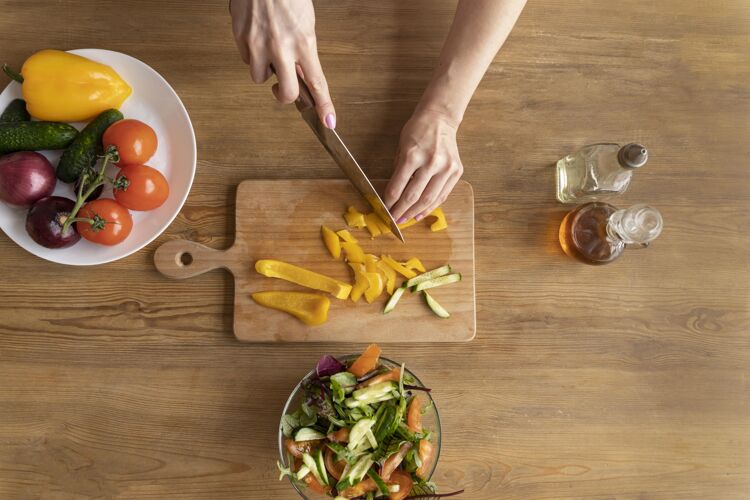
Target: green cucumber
{"points": [[374, 391], [358, 431], [397, 293], [303, 471], [384, 426], [308, 434], [378, 481], [429, 275], [15, 112], [82, 153], [34, 136], [311, 464], [442, 280], [358, 471], [435, 307], [321, 466]]}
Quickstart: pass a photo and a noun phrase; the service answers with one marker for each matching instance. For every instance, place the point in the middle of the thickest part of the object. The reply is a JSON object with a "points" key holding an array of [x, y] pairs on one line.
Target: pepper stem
{"points": [[12, 74]]}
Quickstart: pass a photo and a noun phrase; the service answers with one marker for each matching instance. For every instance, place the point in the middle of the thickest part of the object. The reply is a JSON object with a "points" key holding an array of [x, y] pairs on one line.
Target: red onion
{"points": [[45, 220], [25, 178]]}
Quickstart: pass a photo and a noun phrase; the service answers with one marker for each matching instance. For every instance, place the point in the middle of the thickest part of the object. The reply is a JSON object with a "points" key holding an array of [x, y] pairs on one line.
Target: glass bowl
{"points": [[430, 421]]}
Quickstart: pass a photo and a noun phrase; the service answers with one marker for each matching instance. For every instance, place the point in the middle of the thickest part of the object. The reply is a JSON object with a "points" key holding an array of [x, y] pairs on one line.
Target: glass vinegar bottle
{"points": [[598, 233], [597, 171]]}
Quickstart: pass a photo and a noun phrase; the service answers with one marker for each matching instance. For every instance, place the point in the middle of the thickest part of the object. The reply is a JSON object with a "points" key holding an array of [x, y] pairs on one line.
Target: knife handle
{"points": [[305, 100]]}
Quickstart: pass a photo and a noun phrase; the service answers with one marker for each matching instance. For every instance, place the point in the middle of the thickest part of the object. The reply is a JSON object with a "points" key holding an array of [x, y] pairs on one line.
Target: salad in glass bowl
{"points": [[360, 427]]}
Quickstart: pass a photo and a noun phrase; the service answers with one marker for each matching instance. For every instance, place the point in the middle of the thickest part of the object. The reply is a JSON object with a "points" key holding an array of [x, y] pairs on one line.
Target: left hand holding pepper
{"points": [[427, 166]]}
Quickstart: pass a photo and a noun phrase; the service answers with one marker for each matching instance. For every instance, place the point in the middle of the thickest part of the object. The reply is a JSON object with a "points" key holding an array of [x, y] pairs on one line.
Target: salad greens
{"points": [[358, 433]]}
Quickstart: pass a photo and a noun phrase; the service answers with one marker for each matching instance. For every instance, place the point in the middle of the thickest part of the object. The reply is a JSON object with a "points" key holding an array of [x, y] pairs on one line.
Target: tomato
{"points": [[297, 448], [110, 223], [389, 376], [335, 467], [393, 461], [404, 482], [366, 362], [414, 414], [359, 489], [314, 485], [140, 187], [340, 436], [136, 142], [426, 453]]}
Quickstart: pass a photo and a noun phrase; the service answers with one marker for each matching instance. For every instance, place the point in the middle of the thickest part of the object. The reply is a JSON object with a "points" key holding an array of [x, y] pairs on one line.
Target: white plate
{"points": [[154, 102]]}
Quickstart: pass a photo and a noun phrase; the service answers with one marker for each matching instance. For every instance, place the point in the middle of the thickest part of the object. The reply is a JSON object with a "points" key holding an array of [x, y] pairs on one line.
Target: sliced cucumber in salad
{"points": [[308, 434]]}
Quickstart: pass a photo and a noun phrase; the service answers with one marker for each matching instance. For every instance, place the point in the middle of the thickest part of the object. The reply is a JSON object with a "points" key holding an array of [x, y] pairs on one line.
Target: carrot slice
{"points": [[366, 362]]}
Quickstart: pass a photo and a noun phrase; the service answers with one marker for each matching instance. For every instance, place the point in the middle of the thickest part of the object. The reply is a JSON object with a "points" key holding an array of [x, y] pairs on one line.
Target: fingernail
{"points": [[419, 217], [331, 121], [401, 220]]}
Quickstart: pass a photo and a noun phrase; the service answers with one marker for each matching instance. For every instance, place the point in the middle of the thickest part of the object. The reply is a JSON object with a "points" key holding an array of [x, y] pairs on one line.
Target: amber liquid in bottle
{"points": [[583, 234]]}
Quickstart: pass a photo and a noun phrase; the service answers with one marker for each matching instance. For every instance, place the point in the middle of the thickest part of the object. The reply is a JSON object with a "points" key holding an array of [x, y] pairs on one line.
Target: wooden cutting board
{"points": [[281, 220]]}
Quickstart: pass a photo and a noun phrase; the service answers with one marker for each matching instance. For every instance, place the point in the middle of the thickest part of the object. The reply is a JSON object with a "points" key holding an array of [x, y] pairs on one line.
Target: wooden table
{"points": [[623, 381]]}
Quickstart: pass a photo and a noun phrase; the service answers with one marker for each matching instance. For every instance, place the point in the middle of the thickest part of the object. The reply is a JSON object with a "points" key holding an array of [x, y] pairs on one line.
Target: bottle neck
{"points": [[636, 226]]}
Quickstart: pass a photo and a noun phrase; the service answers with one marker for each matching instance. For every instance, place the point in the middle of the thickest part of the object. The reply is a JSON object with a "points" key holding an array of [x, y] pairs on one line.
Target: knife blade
{"points": [[332, 142]]}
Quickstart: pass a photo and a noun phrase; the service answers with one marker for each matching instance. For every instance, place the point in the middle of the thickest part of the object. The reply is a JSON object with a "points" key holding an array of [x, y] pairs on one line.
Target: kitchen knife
{"points": [[335, 146]]}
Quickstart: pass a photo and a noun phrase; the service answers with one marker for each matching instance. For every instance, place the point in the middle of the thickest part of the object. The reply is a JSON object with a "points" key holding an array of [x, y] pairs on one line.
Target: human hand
{"points": [[281, 33], [427, 166]]}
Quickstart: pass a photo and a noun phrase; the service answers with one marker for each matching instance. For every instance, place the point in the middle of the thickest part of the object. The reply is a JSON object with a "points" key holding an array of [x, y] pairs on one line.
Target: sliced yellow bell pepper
{"points": [[304, 277], [390, 276], [403, 271], [361, 283], [376, 286], [373, 224], [354, 252], [346, 236], [310, 308], [371, 263], [440, 223], [415, 265], [354, 218], [331, 241], [64, 87]]}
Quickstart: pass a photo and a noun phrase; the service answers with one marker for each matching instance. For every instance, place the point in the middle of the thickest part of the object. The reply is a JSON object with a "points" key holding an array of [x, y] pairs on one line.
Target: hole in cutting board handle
{"points": [[185, 259]]}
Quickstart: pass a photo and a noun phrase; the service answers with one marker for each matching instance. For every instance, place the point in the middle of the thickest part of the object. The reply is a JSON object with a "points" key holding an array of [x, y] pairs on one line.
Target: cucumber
{"points": [[394, 299], [435, 273], [33, 136], [303, 471], [15, 112], [308, 434], [321, 466], [443, 280], [378, 481], [435, 307], [309, 461], [358, 431], [82, 153]]}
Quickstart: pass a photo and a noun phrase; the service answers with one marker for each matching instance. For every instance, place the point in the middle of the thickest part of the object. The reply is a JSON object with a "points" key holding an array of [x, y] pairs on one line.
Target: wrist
{"points": [[443, 97]]}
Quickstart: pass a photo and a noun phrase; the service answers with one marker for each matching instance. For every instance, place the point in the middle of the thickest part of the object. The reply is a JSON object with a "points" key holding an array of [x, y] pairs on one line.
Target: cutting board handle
{"points": [[180, 259]]}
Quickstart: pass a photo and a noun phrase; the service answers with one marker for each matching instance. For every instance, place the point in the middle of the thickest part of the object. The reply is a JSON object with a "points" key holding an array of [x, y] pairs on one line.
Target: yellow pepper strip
{"points": [[304, 277], [403, 271], [376, 286], [415, 265], [346, 236], [354, 252], [63, 87], [373, 225], [310, 308], [390, 276], [440, 223], [361, 283], [371, 263], [408, 223], [354, 218], [384, 227], [331, 241]]}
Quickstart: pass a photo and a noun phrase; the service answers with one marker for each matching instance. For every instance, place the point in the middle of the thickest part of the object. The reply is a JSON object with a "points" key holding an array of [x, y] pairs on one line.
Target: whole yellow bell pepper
{"points": [[64, 87], [310, 308]]}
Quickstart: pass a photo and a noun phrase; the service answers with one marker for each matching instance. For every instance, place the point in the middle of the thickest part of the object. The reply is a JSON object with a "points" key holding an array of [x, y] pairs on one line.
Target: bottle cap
{"points": [[632, 155]]}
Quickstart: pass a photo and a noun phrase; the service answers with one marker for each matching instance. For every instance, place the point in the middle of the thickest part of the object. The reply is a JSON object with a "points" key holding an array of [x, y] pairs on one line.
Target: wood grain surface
{"points": [[623, 381], [281, 220]]}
